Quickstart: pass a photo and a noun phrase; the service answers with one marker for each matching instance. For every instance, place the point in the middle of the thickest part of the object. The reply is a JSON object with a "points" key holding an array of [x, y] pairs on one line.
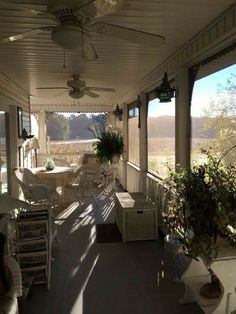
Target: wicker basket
{"points": [[31, 246], [29, 260], [32, 229], [138, 222], [38, 273]]}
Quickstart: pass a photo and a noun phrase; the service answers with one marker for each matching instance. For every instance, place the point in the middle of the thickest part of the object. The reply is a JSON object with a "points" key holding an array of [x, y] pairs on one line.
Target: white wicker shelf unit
{"points": [[33, 245]]}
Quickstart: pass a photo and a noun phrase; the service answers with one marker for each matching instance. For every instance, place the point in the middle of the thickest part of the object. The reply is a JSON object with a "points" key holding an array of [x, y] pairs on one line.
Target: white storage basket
{"points": [[138, 222]]}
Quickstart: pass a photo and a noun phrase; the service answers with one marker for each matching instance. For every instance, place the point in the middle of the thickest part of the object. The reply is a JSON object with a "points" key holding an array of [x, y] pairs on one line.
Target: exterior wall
{"points": [[11, 96]]}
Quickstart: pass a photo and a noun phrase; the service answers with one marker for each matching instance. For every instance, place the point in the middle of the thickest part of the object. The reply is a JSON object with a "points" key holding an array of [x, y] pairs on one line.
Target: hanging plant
{"points": [[110, 144]]}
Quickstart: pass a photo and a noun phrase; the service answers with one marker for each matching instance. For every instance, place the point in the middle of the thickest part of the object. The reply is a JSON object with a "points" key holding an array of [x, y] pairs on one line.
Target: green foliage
{"points": [[222, 117], [57, 127], [75, 126], [202, 205], [109, 144]]}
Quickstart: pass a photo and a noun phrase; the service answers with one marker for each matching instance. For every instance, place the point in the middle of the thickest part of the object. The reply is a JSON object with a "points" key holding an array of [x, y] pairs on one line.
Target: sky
{"points": [[204, 91]]}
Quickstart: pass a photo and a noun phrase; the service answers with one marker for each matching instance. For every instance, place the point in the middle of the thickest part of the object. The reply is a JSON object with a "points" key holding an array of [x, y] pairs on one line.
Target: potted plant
{"points": [[109, 147], [202, 206]]}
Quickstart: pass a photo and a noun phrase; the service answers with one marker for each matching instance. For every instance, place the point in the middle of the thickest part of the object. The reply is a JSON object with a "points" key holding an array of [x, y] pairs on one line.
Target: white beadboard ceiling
{"points": [[36, 61]]}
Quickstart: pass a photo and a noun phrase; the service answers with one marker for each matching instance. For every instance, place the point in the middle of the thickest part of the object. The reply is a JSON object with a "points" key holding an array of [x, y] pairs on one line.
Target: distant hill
{"points": [[165, 127]]}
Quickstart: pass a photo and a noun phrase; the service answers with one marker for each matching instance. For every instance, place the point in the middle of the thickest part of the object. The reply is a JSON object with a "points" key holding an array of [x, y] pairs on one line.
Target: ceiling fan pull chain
{"points": [[64, 59], [82, 41]]}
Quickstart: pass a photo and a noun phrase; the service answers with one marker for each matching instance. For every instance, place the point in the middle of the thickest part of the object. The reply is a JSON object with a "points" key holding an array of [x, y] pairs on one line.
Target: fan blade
{"points": [[49, 97], [88, 53], [101, 89], [132, 35], [106, 7], [25, 34], [90, 94], [22, 7], [52, 88]]}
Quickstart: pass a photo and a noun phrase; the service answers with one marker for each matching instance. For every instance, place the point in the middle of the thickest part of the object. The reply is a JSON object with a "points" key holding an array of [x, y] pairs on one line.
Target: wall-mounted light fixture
{"points": [[164, 92], [118, 113], [25, 135], [34, 145]]}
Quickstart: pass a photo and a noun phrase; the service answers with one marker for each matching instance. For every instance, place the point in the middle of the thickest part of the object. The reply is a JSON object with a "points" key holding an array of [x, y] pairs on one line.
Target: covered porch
{"points": [[197, 39]]}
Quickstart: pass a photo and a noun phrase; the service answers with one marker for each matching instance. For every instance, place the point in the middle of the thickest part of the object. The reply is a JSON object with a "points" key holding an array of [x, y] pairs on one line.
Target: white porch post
{"points": [[42, 132], [13, 139], [143, 142], [183, 121], [125, 137]]}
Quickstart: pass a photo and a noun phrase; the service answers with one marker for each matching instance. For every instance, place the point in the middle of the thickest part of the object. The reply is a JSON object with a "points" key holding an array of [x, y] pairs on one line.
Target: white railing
{"points": [[155, 189], [133, 178]]}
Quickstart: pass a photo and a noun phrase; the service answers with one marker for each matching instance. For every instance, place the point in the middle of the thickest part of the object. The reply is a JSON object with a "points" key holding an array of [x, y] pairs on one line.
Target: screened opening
{"points": [[71, 135], [213, 115], [133, 135], [161, 137]]}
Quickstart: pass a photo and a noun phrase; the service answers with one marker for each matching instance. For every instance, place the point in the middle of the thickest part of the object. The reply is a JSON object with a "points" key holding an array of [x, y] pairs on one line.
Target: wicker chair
{"points": [[61, 162], [84, 180], [34, 190]]}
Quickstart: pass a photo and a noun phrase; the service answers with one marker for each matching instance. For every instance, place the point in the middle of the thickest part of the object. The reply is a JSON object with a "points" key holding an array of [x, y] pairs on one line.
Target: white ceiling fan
{"points": [[78, 89], [75, 21]]}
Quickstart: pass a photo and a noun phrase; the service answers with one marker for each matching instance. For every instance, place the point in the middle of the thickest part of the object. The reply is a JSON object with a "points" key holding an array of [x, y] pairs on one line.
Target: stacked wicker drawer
{"points": [[33, 245]]}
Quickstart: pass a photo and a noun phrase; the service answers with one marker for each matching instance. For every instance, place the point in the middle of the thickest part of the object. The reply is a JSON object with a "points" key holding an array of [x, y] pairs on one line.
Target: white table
{"points": [[60, 176], [197, 275]]}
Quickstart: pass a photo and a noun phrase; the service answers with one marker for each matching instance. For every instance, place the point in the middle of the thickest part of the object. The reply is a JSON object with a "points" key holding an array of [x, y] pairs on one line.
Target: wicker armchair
{"points": [[84, 179], [61, 162], [35, 191]]}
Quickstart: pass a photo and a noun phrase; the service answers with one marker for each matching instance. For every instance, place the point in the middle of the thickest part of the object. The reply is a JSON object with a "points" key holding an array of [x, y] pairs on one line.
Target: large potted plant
{"points": [[202, 207], [109, 147]]}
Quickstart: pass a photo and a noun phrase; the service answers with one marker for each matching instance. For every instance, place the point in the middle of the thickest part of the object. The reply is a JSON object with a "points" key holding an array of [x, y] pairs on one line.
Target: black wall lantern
{"points": [[118, 113], [164, 92]]}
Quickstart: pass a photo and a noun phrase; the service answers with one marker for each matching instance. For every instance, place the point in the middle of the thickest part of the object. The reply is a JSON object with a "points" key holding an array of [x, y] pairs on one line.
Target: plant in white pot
{"points": [[202, 207], [109, 147]]}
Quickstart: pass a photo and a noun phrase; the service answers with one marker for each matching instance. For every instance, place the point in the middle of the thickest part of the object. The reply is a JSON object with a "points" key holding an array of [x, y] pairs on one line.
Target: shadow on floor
{"points": [[92, 278]]}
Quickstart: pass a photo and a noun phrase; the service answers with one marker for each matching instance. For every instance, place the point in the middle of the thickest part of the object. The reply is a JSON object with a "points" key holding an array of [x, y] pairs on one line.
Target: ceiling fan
{"points": [[78, 89], [75, 21]]}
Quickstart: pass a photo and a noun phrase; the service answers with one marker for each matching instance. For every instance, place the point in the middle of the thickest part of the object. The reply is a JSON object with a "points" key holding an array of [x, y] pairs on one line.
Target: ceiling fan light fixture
{"points": [[70, 36], [76, 94], [164, 92]]}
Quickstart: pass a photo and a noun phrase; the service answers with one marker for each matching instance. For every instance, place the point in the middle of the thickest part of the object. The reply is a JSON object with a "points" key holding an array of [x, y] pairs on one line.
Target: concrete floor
{"points": [[94, 278]]}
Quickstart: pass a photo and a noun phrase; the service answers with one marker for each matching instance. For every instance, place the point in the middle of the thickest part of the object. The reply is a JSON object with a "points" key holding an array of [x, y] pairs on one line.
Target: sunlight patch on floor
{"points": [[78, 304], [66, 213]]}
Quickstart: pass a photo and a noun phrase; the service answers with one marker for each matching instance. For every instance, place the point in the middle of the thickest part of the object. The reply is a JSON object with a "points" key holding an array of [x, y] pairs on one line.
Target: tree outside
{"points": [[222, 119], [216, 129]]}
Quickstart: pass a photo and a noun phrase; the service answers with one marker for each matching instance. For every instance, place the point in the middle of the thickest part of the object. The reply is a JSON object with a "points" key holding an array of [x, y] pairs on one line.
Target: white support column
{"points": [[125, 136], [13, 139], [183, 121], [42, 132], [143, 142]]}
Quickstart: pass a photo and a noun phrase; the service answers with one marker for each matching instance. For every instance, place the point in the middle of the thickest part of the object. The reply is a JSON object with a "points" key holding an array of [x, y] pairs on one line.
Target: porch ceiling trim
{"points": [[72, 108], [17, 95], [218, 35]]}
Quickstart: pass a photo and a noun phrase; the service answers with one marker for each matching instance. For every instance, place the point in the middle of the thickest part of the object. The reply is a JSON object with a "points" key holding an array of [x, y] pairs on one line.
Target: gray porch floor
{"points": [[93, 278]]}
